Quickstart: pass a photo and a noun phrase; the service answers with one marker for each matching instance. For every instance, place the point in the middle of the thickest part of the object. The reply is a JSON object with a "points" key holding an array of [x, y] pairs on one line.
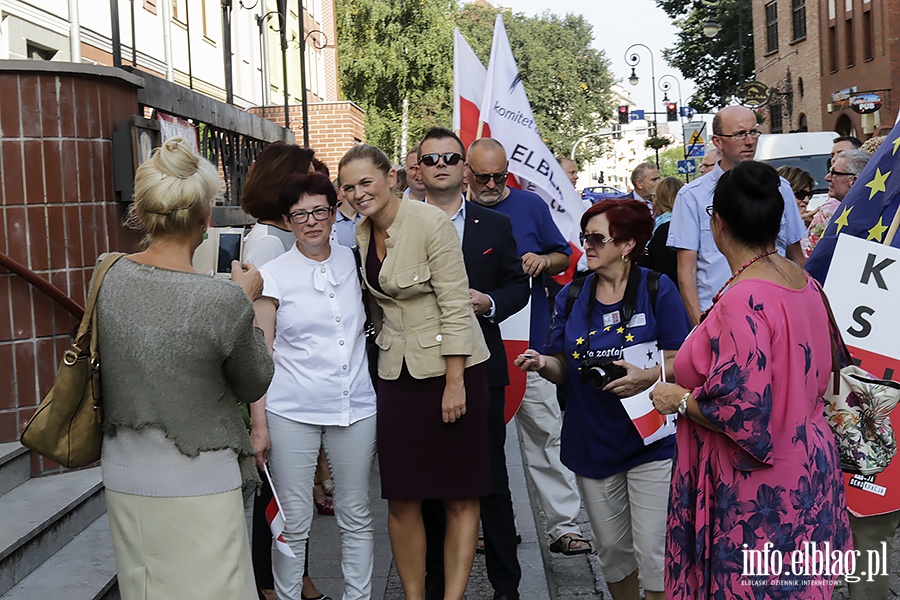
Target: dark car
{"points": [[599, 192]]}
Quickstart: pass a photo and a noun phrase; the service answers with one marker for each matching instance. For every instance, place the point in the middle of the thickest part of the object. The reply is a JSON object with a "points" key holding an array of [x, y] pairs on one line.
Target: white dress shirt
{"points": [[321, 370]]}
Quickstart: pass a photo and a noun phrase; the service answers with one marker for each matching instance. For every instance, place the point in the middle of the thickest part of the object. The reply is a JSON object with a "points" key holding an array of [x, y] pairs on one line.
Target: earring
{"points": [[624, 257]]}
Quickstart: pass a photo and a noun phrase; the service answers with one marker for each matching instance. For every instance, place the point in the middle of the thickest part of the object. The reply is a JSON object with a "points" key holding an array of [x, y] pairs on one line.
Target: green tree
{"points": [[390, 50], [668, 161], [714, 64]]}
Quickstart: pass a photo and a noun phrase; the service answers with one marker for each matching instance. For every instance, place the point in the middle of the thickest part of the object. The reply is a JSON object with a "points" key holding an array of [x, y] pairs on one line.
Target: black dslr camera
{"points": [[597, 373]]}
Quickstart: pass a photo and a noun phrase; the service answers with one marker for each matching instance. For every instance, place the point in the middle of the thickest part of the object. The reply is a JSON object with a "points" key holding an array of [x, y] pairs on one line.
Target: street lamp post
{"points": [[665, 86], [633, 59]]}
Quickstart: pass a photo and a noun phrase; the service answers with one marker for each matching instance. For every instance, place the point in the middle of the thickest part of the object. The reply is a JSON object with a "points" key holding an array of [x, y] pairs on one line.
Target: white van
{"points": [[809, 150]]}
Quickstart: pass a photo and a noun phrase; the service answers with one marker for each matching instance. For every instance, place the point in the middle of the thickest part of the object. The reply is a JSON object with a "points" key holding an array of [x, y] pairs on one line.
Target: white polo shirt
{"points": [[321, 370]]}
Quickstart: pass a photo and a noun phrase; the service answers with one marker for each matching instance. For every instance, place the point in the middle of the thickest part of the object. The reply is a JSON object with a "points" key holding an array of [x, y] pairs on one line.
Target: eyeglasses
{"points": [[594, 240], [803, 194], [483, 178], [834, 173], [450, 159], [709, 210], [741, 135], [299, 217]]}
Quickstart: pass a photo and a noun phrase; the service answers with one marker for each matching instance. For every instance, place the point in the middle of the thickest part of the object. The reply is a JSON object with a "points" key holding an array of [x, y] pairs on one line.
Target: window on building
{"points": [[34, 52], [832, 49], [800, 86], [798, 19], [203, 17], [150, 6], [776, 125], [178, 10], [771, 27], [868, 36], [849, 43]]}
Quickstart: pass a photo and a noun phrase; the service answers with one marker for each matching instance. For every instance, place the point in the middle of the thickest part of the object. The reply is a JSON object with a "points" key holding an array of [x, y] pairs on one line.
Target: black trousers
{"points": [[497, 519]]}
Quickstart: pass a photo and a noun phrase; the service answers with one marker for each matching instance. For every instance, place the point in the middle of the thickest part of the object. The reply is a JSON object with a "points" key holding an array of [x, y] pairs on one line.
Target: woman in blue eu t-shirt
{"points": [[606, 342]]}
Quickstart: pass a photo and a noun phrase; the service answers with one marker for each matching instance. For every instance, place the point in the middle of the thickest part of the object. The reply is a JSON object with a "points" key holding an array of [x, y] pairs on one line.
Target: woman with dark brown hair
{"points": [[269, 238]]}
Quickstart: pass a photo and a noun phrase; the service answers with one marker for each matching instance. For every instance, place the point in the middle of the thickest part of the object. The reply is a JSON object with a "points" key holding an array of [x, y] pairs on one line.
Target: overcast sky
{"points": [[617, 25]]}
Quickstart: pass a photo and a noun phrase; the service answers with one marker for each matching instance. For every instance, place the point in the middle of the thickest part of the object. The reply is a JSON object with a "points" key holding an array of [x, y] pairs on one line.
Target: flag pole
{"points": [[478, 134]]}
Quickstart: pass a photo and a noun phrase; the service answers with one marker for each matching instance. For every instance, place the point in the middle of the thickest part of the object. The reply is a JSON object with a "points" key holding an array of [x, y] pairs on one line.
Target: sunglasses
{"points": [[594, 240], [834, 173], [450, 159], [803, 194], [483, 178]]}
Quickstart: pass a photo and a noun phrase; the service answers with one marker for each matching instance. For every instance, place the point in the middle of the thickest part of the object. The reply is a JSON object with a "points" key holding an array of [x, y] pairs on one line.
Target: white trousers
{"points": [[292, 463], [540, 423]]}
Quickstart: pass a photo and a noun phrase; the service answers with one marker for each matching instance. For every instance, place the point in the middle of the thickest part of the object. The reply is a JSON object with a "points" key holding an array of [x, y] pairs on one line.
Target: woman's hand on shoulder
{"points": [[453, 404], [247, 276], [636, 380]]}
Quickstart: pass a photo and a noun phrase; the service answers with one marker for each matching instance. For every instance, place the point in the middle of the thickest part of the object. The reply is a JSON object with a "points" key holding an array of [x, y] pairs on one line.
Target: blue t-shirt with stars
{"points": [[598, 438]]}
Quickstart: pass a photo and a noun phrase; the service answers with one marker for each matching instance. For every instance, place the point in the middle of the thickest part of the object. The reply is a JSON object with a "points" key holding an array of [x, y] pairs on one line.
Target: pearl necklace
{"points": [[739, 271]]}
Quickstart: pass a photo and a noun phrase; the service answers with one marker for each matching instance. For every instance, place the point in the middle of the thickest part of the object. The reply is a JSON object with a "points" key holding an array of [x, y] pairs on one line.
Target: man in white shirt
{"points": [[702, 269]]}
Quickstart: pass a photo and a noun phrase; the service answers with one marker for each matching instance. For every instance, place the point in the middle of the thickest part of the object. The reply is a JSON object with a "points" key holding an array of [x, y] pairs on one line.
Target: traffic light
{"points": [[623, 114], [671, 111]]}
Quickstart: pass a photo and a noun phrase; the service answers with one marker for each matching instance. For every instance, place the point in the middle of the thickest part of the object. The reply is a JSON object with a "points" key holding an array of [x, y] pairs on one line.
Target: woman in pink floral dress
{"points": [[757, 479]]}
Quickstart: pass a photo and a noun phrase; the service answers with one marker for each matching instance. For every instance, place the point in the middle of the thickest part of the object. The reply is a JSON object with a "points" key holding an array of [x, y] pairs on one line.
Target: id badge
{"points": [[613, 318]]}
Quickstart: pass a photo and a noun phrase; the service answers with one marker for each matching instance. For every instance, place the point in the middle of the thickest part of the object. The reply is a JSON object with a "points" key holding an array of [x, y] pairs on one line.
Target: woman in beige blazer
{"points": [[432, 388]]}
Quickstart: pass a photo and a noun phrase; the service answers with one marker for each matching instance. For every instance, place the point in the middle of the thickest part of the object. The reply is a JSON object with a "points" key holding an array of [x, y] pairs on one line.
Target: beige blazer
{"points": [[425, 305]]}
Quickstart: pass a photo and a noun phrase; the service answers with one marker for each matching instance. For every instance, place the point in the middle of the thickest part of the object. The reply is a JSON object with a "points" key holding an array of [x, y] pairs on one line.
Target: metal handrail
{"points": [[55, 294]]}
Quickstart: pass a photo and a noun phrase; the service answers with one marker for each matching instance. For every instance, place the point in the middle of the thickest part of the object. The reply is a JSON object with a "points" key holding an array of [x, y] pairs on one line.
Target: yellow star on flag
{"points": [[576, 356], [841, 221], [877, 231], [877, 183], [896, 145], [593, 332], [620, 330], [579, 341], [629, 338], [607, 328]]}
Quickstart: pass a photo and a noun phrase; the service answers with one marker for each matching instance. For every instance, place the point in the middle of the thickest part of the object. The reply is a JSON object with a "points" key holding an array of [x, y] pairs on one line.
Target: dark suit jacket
{"points": [[494, 268]]}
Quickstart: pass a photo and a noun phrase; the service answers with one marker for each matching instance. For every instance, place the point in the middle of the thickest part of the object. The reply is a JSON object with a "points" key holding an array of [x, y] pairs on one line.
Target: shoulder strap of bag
{"points": [[840, 354], [653, 288], [369, 327], [574, 290], [89, 320]]}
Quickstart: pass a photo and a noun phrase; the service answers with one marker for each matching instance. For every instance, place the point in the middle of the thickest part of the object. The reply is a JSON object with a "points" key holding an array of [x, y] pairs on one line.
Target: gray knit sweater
{"points": [[178, 353]]}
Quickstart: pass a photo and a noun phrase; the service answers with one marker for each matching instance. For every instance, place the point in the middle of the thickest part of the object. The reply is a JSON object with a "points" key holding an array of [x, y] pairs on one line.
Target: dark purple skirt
{"points": [[421, 457]]}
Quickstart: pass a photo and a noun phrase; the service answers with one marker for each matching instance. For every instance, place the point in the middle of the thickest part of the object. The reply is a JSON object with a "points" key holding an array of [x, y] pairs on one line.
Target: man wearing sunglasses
{"points": [[702, 269], [498, 289], [845, 168], [543, 250]]}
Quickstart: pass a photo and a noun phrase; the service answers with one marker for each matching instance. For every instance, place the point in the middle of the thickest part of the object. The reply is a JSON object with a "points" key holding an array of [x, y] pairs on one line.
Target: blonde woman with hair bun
{"points": [[180, 352]]}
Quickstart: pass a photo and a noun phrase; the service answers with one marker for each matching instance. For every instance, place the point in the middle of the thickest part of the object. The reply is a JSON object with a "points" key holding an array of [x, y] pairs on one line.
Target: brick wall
{"points": [[334, 127], [800, 57], [57, 213]]}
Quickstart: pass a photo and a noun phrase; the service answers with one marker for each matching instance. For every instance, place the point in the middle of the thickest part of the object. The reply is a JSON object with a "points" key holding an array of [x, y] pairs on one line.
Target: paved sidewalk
{"points": [[545, 576]]}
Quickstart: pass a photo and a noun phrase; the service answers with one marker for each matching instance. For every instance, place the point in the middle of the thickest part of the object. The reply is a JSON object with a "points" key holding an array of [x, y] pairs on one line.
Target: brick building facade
{"points": [[334, 127], [860, 55], [787, 55]]}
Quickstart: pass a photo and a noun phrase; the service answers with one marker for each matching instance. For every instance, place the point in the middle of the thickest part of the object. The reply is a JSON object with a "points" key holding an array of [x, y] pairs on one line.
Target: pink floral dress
{"points": [[758, 366]]}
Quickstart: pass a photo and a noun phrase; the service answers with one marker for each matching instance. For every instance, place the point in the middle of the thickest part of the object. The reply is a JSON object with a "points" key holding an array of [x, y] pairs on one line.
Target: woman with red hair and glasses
{"points": [[605, 341]]}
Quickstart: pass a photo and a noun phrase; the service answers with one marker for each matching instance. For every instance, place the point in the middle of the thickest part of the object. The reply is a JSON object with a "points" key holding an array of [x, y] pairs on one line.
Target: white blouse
{"points": [[321, 369]]}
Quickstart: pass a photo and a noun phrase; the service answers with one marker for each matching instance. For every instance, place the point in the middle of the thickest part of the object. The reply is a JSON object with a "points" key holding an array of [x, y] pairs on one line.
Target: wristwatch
{"points": [[682, 404]]}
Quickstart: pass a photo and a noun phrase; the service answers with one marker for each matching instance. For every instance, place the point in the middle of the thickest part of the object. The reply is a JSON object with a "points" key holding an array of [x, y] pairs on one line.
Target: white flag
{"points": [[505, 108], [275, 517], [468, 86]]}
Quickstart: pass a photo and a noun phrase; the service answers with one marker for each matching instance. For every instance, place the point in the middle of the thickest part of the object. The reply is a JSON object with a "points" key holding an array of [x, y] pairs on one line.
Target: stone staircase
{"points": [[54, 535]]}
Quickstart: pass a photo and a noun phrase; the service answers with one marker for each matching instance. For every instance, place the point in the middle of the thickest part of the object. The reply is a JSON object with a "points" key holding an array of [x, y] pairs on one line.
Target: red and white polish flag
{"points": [[506, 110], [275, 517], [468, 86]]}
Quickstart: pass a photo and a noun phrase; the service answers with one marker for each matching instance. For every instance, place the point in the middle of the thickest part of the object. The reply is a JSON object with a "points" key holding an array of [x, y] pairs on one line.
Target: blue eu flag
{"points": [[868, 208]]}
